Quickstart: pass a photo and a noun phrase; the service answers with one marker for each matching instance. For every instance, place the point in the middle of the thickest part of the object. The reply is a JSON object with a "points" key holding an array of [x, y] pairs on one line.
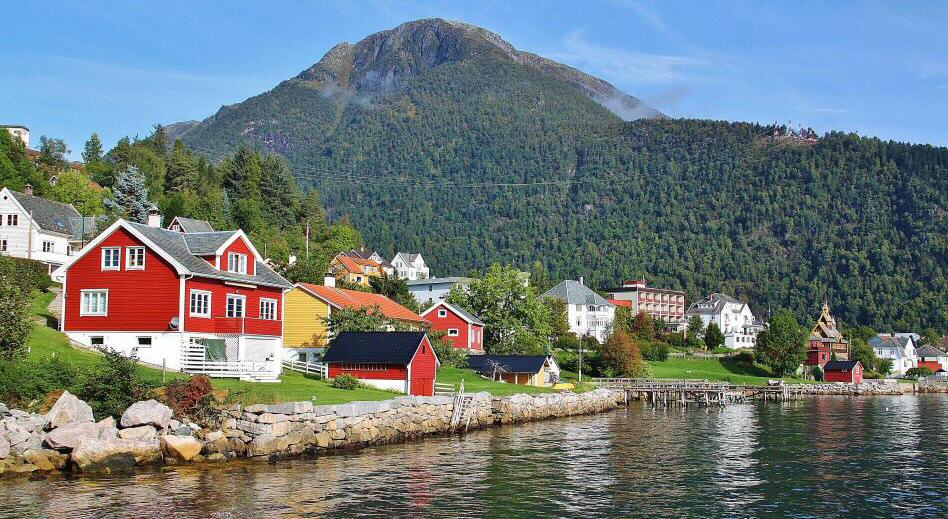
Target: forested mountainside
{"points": [[435, 139]]}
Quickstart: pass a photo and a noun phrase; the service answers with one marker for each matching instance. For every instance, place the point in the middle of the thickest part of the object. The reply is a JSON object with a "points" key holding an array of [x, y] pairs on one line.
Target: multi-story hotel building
{"points": [[661, 303]]}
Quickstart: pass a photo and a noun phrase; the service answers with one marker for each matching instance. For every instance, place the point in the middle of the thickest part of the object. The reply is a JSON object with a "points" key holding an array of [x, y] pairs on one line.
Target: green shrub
{"points": [[112, 384], [28, 274], [817, 373], [921, 372], [345, 382], [655, 351], [25, 381], [745, 356], [567, 359]]}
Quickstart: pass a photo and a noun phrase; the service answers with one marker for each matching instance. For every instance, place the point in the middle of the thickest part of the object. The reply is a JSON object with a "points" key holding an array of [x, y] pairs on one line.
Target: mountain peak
{"points": [[384, 60]]}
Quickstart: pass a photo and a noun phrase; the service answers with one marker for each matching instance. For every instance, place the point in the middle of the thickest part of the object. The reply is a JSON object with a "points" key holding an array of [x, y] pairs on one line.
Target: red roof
{"points": [[621, 302], [355, 265], [355, 299]]}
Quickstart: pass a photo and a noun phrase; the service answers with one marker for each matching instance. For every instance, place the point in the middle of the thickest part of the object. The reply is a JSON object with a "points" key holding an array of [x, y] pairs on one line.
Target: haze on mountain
{"points": [[442, 138]]}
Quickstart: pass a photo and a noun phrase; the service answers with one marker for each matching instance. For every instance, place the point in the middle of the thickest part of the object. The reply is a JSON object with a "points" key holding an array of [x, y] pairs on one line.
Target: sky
{"points": [[69, 68]]}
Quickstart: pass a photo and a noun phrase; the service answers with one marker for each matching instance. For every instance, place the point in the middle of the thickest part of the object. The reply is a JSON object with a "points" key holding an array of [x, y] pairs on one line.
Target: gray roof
{"points": [[437, 281], [889, 341], [193, 225], [711, 305], [175, 244], [929, 351], [367, 254], [206, 243], [463, 312], [82, 227], [49, 215], [408, 256], [575, 293]]}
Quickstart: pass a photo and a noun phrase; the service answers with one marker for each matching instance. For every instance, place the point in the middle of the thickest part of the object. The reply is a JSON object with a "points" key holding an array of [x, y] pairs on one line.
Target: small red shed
{"points": [[463, 329], [404, 361], [843, 371]]}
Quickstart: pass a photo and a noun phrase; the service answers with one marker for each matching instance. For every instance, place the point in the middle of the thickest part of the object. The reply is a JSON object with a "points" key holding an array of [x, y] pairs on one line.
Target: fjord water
{"points": [[817, 457]]}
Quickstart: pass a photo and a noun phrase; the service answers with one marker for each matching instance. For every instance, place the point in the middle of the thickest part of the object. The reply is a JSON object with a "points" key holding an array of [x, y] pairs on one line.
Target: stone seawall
{"points": [[868, 387], [67, 439]]}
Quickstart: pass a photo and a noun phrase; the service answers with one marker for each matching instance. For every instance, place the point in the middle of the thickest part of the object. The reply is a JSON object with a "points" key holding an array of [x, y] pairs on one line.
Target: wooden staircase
{"points": [[463, 409]]}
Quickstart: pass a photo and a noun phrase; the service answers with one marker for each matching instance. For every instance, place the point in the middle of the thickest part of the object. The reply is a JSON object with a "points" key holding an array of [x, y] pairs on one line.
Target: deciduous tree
{"points": [[782, 346]]}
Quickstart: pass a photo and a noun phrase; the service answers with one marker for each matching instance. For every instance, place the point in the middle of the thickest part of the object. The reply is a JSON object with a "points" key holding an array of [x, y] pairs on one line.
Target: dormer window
{"points": [[236, 263]]}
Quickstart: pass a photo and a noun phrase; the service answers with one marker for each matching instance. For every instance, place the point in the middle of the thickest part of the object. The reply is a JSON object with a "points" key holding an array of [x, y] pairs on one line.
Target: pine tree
{"points": [[93, 149], [159, 141], [713, 338], [278, 189], [182, 169], [130, 198]]}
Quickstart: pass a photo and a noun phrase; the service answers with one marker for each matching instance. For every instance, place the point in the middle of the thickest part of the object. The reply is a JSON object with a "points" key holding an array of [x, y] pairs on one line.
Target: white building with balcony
{"points": [[733, 317], [410, 266], [588, 312]]}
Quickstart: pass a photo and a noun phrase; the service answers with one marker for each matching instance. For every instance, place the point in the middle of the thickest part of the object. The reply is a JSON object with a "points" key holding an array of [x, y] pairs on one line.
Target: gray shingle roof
{"points": [[437, 281], [49, 215], [507, 363], [929, 351], [711, 305], [575, 293], [175, 244], [464, 313], [374, 347], [206, 243], [194, 225]]}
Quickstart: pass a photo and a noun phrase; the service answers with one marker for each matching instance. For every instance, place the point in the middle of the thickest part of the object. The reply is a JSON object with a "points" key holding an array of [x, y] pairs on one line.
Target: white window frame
{"points": [[236, 263], [442, 312], [128, 258], [3, 245], [453, 332], [118, 259], [48, 246], [194, 292], [272, 303], [83, 307], [243, 306]]}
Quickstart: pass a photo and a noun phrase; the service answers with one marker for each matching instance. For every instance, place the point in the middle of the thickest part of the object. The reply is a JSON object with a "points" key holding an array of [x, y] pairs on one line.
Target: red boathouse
{"points": [[404, 361], [843, 371]]}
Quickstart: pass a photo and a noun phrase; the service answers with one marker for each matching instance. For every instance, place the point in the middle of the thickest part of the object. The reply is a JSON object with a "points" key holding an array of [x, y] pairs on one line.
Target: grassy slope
{"points": [[712, 369]]}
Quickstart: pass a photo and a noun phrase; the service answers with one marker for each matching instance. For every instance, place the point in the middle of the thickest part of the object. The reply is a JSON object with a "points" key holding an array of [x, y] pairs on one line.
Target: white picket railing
{"points": [[194, 361], [310, 368]]}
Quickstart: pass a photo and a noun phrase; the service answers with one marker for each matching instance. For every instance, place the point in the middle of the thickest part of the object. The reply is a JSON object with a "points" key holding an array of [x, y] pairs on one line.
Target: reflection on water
{"points": [[825, 457]]}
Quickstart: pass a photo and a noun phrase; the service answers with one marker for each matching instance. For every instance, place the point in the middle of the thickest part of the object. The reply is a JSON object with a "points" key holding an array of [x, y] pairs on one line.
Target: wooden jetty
{"points": [[670, 393]]}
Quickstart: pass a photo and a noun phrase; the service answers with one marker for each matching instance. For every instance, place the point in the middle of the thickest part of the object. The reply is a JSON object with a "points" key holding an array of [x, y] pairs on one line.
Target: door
{"points": [[422, 386]]}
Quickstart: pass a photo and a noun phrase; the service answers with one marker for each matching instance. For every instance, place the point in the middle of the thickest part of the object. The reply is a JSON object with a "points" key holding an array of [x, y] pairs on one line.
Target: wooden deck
{"points": [[669, 393]]}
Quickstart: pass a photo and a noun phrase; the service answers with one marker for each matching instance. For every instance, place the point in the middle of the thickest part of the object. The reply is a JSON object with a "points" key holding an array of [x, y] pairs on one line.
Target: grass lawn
{"points": [[474, 383], [723, 370]]}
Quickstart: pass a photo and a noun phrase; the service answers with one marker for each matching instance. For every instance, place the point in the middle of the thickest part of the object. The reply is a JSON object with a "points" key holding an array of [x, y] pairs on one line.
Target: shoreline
{"points": [[274, 432]]}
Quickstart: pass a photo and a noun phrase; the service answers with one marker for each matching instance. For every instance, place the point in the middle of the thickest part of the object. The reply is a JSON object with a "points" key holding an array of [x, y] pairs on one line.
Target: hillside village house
{"points": [[527, 370], [660, 303], [182, 224], [588, 312], [900, 348], [363, 253], [355, 271], [308, 306], [40, 229], [18, 132], [432, 290], [410, 266], [402, 361], [734, 319], [932, 358], [463, 330], [201, 302], [825, 340]]}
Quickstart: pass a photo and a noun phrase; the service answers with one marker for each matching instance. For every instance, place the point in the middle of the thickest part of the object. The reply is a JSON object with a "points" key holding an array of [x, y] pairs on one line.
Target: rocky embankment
{"points": [[868, 387], [68, 438]]}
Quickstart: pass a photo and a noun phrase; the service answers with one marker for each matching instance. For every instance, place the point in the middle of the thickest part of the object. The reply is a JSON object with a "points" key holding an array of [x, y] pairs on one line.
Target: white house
{"points": [[410, 266], [734, 319], [588, 312], [432, 290], [900, 348], [18, 132], [40, 229]]}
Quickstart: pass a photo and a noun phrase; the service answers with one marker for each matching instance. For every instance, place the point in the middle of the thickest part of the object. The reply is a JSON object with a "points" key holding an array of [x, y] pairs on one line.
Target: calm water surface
{"points": [[821, 457]]}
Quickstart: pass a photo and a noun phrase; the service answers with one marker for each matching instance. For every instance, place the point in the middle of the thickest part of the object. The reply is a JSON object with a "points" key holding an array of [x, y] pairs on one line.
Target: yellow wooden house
{"points": [[355, 271]]}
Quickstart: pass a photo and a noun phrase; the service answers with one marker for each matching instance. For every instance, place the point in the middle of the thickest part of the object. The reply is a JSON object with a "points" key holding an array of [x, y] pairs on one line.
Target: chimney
{"points": [[28, 189], [329, 280], [154, 216], [581, 281]]}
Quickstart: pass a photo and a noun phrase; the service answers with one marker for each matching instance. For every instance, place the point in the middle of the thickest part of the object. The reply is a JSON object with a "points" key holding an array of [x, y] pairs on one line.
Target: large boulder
{"points": [[115, 454], [46, 459], [4, 447], [182, 448], [69, 436], [149, 412], [107, 428], [141, 432], [67, 409]]}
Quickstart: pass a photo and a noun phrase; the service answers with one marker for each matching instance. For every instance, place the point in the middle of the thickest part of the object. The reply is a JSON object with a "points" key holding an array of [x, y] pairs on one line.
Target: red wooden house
{"points": [[404, 361], [932, 358], [843, 371], [202, 302], [463, 329]]}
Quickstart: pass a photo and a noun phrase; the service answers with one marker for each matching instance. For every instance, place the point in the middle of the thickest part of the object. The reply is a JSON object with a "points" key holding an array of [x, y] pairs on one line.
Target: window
{"points": [[13, 219], [442, 312], [135, 258], [70, 249], [47, 246], [301, 357], [235, 305], [452, 332], [200, 303], [358, 279], [3, 245], [111, 257], [94, 302], [97, 341], [362, 367], [268, 309], [236, 263], [144, 342]]}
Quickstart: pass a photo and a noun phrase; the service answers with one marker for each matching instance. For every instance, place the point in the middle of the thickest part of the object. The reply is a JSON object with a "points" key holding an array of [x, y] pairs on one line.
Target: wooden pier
{"points": [[681, 393]]}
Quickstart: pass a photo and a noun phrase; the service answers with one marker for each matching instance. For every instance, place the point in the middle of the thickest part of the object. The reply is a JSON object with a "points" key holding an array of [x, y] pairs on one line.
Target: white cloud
{"points": [[623, 65]]}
